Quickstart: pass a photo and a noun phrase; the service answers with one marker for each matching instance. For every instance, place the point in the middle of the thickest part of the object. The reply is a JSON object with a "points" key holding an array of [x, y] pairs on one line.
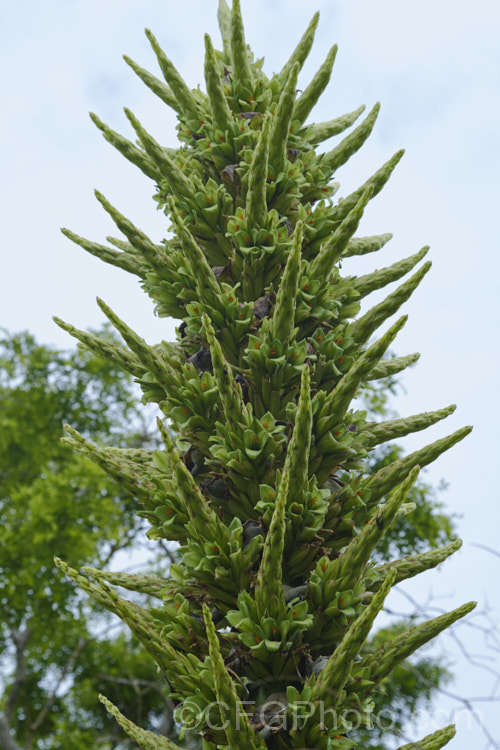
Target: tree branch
{"points": [[20, 638], [50, 702], [7, 742]]}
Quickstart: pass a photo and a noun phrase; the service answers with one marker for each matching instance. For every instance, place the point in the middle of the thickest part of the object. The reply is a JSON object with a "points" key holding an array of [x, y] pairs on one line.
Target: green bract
{"points": [[263, 480]]}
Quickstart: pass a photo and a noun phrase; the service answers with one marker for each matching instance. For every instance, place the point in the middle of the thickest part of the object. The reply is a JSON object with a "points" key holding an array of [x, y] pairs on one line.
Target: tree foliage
{"points": [[53, 501]]}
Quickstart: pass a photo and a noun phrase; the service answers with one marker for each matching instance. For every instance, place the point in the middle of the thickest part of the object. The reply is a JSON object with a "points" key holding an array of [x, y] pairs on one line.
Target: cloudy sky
{"points": [[434, 66]]}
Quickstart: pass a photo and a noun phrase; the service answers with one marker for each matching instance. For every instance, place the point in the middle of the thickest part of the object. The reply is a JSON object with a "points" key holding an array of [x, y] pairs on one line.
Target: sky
{"points": [[435, 68]]}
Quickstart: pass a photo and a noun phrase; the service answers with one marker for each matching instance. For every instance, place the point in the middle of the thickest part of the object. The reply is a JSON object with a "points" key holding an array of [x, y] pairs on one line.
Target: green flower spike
{"points": [[268, 486], [202, 516], [280, 131], [269, 585], [112, 352], [137, 239], [365, 245], [301, 52], [352, 143], [220, 110], [143, 584], [352, 563], [156, 153], [144, 353], [235, 411], [242, 72], [113, 462], [389, 476], [284, 309], [378, 279], [256, 202], [174, 665], [127, 149], [180, 90], [224, 20], [127, 261], [145, 739], [388, 367], [332, 678], [382, 661], [376, 181], [159, 88], [332, 250], [308, 99], [238, 730], [434, 741], [322, 131], [301, 440], [364, 327], [206, 283], [382, 432], [412, 565], [336, 404]]}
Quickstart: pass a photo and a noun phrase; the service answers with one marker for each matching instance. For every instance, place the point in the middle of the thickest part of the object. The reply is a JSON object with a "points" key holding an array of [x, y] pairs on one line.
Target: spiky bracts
{"points": [[262, 477]]}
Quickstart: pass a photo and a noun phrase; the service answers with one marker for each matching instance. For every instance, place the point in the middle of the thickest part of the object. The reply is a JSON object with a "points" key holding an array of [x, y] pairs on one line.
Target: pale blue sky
{"points": [[435, 67]]}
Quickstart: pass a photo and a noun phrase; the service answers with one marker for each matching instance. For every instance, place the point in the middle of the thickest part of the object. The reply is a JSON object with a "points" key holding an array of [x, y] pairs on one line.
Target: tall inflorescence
{"points": [[262, 479]]}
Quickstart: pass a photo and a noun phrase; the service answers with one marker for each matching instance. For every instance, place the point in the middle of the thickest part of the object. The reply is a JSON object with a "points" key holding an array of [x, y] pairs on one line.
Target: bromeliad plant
{"points": [[260, 629]]}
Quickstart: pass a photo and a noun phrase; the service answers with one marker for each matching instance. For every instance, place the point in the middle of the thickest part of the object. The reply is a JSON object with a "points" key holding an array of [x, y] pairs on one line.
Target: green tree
{"points": [[53, 501], [267, 486]]}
